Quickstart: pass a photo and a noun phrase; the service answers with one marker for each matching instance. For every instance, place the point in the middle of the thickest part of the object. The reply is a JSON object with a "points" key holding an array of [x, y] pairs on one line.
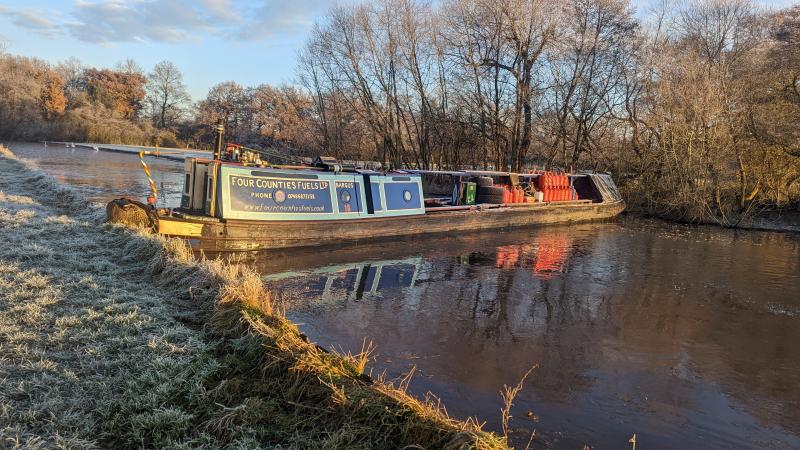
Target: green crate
{"points": [[469, 193]]}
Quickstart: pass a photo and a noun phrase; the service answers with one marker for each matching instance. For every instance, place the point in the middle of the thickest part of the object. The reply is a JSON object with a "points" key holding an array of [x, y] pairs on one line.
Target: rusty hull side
{"points": [[243, 235]]}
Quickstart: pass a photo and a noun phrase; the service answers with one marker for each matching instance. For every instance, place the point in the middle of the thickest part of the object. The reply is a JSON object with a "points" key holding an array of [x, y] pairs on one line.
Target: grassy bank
{"points": [[111, 338]]}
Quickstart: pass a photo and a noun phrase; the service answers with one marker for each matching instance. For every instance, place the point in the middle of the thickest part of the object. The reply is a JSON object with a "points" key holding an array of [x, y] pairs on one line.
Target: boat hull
{"points": [[247, 235]]}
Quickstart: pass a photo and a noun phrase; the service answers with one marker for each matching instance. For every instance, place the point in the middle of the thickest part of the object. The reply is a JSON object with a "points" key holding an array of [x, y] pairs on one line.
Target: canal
{"points": [[686, 336]]}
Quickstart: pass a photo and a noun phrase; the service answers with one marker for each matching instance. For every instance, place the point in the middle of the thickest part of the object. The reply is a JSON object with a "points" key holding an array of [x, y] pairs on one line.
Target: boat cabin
{"points": [[232, 190]]}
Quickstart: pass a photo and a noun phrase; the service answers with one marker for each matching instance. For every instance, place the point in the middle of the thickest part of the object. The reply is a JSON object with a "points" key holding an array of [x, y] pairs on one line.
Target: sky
{"points": [[247, 41]]}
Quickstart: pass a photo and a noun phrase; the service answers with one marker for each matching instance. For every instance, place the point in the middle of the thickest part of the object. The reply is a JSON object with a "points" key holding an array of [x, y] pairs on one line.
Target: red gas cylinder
{"points": [[507, 198], [500, 259], [520, 196]]}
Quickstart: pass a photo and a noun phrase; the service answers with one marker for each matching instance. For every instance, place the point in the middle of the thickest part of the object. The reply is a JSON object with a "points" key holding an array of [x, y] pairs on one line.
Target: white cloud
{"points": [[124, 21], [31, 20]]}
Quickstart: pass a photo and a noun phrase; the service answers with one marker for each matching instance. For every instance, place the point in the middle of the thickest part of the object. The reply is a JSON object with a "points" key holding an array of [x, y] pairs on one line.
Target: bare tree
{"points": [[166, 94], [719, 28], [71, 71], [588, 64], [129, 67]]}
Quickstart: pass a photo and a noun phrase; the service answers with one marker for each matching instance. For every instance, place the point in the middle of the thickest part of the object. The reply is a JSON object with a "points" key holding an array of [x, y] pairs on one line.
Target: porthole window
{"points": [[345, 196], [407, 195], [280, 196]]}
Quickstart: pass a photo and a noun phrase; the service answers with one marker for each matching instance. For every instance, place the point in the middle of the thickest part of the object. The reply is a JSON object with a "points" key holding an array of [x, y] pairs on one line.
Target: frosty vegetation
{"points": [[110, 338]]}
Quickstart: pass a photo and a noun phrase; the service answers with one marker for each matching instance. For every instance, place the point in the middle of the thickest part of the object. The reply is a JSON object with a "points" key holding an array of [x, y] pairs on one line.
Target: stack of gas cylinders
{"points": [[513, 195], [555, 187]]}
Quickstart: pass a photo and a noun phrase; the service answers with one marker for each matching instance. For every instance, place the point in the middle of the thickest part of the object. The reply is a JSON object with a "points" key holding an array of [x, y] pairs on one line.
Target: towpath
{"points": [[90, 351]]}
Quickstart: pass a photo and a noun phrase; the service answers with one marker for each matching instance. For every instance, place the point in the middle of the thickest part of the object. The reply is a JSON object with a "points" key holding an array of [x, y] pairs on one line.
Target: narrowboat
{"points": [[236, 202]]}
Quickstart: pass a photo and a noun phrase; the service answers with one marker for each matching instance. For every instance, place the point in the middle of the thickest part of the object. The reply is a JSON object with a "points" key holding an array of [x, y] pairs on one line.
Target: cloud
{"points": [[281, 16], [115, 21], [222, 10], [158, 21], [31, 20]]}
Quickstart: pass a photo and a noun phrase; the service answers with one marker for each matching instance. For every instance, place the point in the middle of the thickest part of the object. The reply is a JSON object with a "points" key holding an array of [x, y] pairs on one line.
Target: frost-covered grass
{"points": [[114, 338]]}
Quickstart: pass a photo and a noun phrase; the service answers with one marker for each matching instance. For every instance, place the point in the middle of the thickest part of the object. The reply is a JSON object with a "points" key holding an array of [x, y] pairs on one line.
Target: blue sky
{"points": [[248, 41]]}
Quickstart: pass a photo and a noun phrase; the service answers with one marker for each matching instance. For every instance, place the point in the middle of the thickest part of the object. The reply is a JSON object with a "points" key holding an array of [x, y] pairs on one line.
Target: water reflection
{"points": [[546, 259], [685, 338]]}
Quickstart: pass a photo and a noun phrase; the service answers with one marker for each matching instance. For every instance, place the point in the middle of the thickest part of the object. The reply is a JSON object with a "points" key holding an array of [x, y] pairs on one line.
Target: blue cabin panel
{"points": [[399, 195], [250, 193], [349, 199], [264, 194], [377, 203]]}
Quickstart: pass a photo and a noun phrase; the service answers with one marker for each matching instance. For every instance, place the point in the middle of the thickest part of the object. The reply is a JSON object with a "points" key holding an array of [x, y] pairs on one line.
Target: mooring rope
{"points": [[149, 175]]}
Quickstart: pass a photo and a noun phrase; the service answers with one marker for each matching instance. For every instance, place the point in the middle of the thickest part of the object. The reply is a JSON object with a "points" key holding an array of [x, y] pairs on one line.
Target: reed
{"points": [[114, 337]]}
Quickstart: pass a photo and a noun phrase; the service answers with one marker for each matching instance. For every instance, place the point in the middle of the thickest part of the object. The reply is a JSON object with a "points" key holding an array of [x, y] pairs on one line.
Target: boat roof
{"points": [[455, 173], [313, 169]]}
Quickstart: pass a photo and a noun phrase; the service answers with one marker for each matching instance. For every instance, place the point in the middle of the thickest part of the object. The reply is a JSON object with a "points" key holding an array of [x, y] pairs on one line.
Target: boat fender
{"points": [[132, 213]]}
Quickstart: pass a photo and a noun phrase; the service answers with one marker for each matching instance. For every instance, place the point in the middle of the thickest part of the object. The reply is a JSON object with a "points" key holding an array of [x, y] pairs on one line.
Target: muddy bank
{"points": [[788, 221], [774, 221], [110, 338]]}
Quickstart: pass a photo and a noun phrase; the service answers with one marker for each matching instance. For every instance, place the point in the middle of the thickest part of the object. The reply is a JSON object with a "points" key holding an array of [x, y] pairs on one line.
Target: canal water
{"points": [[688, 337], [102, 175]]}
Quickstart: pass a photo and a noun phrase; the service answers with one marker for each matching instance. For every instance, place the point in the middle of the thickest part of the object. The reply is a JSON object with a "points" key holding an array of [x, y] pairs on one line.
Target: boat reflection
{"points": [[354, 281], [546, 259]]}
